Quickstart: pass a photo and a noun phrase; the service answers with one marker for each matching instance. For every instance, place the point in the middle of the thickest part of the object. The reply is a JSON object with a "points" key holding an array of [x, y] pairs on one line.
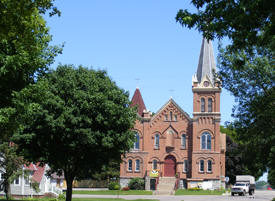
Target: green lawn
{"points": [[108, 199], [115, 192], [87, 199], [199, 192]]}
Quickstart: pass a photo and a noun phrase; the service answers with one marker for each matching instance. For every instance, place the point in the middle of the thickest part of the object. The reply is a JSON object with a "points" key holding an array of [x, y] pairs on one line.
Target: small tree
{"points": [[76, 121], [11, 166]]}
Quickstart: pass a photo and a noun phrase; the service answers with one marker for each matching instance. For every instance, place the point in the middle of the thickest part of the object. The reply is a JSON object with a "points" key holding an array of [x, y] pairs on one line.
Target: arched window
{"points": [[136, 145], [209, 166], [175, 117], [206, 141], [202, 105], [137, 165], [201, 165], [185, 166], [210, 105], [156, 141], [183, 141], [171, 116], [130, 165], [155, 164]]}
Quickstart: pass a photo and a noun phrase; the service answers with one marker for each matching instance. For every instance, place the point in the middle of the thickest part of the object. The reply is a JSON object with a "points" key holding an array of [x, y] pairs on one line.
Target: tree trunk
{"points": [[69, 181], [7, 189]]}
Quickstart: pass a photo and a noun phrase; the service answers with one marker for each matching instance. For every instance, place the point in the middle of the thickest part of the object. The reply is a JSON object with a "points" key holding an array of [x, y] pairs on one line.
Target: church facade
{"points": [[172, 144]]}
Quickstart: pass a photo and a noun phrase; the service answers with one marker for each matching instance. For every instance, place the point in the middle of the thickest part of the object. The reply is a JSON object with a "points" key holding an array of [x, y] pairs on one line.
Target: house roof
{"points": [[38, 174], [138, 100], [30, 167], [38, 171]]}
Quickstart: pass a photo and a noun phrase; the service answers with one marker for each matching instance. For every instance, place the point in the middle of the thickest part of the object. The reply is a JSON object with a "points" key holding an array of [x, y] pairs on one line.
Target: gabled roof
{"points": [[207, 64], [38, 174], [176, 105], [38, 171], [30, 167], [137, 100]]}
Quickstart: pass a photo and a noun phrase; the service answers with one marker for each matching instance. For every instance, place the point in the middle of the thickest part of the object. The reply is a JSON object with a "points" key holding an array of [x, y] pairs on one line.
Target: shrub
{"points": [[49, 195], [194, 189], [62, 197], [114, 186], [136, 184], [126, 188]]}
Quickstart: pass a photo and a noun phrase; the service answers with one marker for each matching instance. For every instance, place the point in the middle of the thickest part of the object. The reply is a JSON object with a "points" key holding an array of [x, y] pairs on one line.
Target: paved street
{"points": [[259, 196]]}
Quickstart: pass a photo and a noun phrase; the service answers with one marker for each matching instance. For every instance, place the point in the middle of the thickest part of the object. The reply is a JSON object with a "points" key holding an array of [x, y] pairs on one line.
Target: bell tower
{"points": [[207, 161]]}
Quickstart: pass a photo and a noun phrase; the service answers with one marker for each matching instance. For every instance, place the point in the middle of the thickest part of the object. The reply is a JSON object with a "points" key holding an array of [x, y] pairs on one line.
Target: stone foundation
{"points": [[124, 182]]}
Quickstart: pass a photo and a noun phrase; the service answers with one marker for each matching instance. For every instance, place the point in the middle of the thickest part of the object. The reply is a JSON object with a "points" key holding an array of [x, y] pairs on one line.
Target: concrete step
{"points": [[166, 185], [164, 192]]}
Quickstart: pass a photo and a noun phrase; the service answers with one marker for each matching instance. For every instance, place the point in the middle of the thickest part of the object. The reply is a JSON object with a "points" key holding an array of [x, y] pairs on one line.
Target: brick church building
{"points": [[171, 144]]}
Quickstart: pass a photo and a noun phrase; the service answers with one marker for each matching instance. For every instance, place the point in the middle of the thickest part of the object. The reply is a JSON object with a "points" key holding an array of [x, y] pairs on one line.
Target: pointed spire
{"points": [[137, 100], [207, 64]]}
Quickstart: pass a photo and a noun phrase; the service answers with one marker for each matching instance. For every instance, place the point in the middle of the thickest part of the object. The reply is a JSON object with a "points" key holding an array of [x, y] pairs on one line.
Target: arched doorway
{"points": [[169, 166]]}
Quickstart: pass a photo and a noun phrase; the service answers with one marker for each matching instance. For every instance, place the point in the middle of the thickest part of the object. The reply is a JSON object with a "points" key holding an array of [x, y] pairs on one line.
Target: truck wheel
{"points": [[232, 194], [244, 192], [251, 192]]}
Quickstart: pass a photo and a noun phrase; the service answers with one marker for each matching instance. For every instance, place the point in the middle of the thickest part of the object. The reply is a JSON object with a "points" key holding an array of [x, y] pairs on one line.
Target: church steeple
{"points": [[138, 100], [207, 65]]}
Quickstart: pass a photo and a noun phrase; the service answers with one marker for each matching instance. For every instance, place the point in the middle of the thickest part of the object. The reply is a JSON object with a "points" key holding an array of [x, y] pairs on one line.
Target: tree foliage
{"points": [[11, 166], [25, 54], [246, 69], [241, 21], [251, 80], [75, 120], [271, 177], [235, 156]]}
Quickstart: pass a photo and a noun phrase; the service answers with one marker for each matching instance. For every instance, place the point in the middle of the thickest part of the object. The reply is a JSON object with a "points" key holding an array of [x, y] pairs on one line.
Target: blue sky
{"points": [[139, 43]]}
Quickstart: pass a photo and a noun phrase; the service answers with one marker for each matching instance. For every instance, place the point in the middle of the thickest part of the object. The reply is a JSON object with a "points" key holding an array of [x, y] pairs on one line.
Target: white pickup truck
{"points": [[244, 184]]}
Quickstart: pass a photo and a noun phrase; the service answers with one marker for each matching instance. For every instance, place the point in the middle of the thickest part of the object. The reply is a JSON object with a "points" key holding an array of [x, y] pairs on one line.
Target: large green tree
{"points": [[235, 155], [25, 54], [241, 21], [246, 69], [76, 120]]}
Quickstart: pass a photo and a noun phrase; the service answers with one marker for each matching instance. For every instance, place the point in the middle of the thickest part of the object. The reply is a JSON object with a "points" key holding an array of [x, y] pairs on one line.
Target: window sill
{"points": [[156, 148], [129, 171], [137, 171], [209, 172], [183, 148], [201, 172]]}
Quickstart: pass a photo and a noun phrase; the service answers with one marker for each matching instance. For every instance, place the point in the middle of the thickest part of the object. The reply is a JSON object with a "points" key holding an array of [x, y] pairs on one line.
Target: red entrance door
{"points": [[169, 166]]}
